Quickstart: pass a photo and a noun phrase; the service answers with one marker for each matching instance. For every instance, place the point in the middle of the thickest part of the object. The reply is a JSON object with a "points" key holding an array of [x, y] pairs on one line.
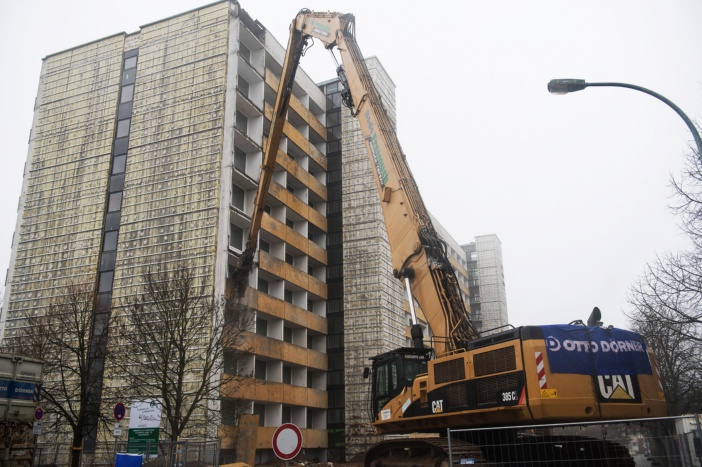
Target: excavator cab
{"points": [[393, 371]]}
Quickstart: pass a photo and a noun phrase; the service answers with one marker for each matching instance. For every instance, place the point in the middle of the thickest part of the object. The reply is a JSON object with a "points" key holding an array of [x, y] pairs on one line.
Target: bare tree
{"points": [[688, 195], [174, 338], [669, 293], [667, 299], [678, 357], [73, 361]]}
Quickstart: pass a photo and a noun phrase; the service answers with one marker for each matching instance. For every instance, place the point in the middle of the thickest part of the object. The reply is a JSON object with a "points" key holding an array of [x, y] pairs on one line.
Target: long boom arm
{"points": [[418, 256]]}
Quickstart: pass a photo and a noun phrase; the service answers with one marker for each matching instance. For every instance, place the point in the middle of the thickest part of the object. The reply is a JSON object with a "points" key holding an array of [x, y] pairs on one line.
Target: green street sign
{"points": [[142, 438]]}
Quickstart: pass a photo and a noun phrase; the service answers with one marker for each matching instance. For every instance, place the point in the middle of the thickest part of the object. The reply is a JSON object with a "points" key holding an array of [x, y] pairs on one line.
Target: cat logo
{"points": [[618, 388]]}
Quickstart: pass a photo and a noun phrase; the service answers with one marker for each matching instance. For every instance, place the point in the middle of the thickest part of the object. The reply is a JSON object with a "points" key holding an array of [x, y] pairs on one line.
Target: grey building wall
{"points": [[373, 299], [487, 282]]}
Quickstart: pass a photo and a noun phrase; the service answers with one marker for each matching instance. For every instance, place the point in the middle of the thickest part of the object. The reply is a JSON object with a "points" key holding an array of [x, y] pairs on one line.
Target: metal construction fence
{"points": [[665, 442], [162, 454]]}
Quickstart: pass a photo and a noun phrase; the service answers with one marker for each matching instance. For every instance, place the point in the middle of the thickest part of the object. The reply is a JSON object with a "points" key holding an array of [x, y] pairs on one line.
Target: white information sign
{"points": [[145, 414], [144, 422]]}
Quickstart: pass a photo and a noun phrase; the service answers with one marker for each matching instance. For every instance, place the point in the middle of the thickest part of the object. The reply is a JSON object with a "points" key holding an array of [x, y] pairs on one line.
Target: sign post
{"points": [[287, 442], [36, 428], [119, 412]]}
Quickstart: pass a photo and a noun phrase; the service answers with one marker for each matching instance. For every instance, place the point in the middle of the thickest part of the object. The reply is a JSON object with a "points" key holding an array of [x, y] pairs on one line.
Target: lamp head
{"points": [[564, 86]]}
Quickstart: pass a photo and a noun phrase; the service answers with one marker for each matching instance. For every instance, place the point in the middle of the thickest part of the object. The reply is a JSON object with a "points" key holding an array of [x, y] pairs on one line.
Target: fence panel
{"points": [[665, 442], [180, 454]]}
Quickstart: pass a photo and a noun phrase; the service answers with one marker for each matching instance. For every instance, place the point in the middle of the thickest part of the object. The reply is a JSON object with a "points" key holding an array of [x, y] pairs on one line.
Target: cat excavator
{"points": [[455, 377]]}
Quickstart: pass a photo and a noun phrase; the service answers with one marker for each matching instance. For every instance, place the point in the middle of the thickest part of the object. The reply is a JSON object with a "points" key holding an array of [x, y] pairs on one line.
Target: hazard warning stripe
{"points": [[658, 374], [541, 371]]}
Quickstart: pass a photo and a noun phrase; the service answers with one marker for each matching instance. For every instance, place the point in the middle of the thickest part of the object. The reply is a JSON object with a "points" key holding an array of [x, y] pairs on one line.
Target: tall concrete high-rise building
{"points": [[145, 153], [488, 303]]}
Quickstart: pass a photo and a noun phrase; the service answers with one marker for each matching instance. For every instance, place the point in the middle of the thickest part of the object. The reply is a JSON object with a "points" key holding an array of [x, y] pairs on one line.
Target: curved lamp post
{"points": [[564, 86]]}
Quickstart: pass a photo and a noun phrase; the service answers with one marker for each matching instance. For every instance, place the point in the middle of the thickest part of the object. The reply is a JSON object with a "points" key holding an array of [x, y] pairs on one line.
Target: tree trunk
{"points": [[76, 449]]}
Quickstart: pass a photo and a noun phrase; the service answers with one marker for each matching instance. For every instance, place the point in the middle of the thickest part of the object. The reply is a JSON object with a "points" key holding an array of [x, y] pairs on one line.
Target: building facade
{"points": [[145, 153], [488, 304]]}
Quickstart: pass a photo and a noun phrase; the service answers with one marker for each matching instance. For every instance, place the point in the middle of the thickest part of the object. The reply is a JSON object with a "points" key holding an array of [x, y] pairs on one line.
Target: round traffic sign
{"points": [[120, 411], [287, 441], [38, 414]]}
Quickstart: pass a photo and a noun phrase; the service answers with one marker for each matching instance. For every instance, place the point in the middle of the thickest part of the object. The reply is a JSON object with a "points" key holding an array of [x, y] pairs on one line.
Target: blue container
{"points": [[128, 460]]}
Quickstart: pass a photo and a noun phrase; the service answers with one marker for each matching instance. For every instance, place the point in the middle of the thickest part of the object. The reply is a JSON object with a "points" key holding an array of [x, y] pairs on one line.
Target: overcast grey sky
{"points": [[576, 187]]}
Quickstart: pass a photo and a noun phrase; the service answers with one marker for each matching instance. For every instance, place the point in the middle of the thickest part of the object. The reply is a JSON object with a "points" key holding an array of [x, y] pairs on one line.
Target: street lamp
{"points": [[564, 86]]}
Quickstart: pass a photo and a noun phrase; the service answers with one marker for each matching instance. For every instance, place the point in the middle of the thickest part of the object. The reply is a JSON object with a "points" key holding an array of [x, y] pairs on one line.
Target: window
{"points": [[260, 370], [289, 223], [239, 160], [112, 221], [334, 272], [334, 118], [118, 164], [116, 183], [261, 327], [310, 305], [287, 414], [115, 202], [110, 241], [123, 128], [289, 258], [236, 237], [243, 86], [287, 374], [106, 281], [335, 341], [385, 383], [290, 189], [121, 146], [287, 334], [262, 285], [335, 416], [128, 76], [127, 94], [288, 296], [107, 261], [242, 122], [335, 378], [333, 207], [238, 196], [244, 52], [334, 133], [260, 410], [130, 62], [264, 246]]}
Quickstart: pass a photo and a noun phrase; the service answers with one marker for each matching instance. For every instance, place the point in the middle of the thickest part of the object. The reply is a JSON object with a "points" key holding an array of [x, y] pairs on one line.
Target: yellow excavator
{"points": [[456, 377]]}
